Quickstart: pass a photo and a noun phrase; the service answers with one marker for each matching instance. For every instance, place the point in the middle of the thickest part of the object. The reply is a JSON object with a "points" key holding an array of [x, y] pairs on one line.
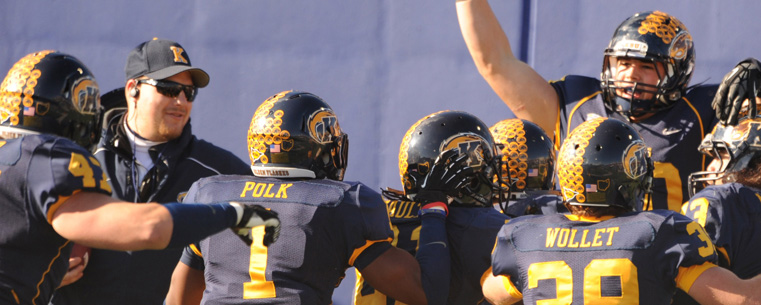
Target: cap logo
{"points": [[177, 51]]}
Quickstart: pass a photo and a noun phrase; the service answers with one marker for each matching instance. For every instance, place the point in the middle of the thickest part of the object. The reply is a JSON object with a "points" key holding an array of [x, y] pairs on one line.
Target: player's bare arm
{"points": [[187, 286], [113, 224], [528, 95], [720, 286], [495, 292], [397, 274]]}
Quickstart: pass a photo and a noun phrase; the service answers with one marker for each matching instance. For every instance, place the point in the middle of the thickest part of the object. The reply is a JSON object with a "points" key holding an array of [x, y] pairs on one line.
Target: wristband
{"points": [[434, 207]]}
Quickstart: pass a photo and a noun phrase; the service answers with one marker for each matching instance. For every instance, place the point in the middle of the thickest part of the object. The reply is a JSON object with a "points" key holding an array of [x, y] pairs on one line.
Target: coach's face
{"points": [[158, 117]]}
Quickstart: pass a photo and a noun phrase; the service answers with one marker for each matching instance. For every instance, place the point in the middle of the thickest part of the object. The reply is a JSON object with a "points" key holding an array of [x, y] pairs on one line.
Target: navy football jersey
{"points": [[642, 256], [673, 134], [326, 227], [731, 215], [543, 204], [471, 232], [38, 173]]}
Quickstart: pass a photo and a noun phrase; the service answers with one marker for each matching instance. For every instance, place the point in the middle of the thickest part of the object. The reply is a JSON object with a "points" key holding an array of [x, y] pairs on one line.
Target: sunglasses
{"points": [[171, 89]]}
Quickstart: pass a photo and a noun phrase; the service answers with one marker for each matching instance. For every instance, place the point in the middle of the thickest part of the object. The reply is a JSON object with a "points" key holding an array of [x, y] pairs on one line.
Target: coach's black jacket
{"points": [[142, 277]]}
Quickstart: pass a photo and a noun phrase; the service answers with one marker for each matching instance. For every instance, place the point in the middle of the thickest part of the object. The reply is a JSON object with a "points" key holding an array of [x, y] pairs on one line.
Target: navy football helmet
{"points": [[735, 145], [51, 92], [441, 131], [603, 163], [528, 156], [654, 37], [296, 135]]}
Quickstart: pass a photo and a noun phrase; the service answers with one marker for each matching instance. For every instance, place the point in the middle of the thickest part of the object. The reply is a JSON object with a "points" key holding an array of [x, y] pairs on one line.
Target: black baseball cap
{"points": [[159, 59]]}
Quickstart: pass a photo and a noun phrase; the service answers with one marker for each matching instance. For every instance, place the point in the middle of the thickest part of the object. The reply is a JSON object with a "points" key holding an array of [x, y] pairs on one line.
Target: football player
{"points": [[298, 156], [645, 76], [54, 191], [606, 251], [528, 165], [730, 208], [472, 223]]}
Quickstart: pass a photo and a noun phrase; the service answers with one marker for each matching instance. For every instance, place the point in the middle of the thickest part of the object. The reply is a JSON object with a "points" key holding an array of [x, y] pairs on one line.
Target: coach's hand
{"points": [[252, 215], [740, 84]]}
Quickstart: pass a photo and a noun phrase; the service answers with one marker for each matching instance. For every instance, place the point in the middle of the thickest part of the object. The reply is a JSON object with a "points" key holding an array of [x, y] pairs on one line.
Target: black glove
{"points": [[254, 216], [447, 178], [393, 194], [743, 82]]}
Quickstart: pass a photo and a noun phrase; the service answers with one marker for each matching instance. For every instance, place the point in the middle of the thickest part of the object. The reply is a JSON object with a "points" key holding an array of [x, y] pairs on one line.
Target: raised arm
{"points": [[528, 95]]}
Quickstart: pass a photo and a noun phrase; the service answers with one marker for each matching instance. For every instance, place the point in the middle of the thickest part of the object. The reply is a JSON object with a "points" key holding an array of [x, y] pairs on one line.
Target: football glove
{"points": [[447, 178], [252, 215], [743, 82]]}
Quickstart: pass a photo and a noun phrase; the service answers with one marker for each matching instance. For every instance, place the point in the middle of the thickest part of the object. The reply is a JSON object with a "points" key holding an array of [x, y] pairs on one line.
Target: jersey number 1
{"points": [[258, 287]]}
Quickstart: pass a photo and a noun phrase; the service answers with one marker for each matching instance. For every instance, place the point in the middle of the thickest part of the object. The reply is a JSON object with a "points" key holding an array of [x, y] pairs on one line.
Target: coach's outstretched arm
{"points": [[528, 95]]}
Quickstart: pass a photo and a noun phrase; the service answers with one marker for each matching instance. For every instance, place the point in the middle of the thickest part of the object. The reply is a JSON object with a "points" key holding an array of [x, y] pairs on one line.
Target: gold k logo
{"points": [[178, 55]]}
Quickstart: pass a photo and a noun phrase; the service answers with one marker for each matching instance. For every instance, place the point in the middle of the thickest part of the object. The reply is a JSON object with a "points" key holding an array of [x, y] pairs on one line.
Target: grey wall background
{"points": [[382, 65]]}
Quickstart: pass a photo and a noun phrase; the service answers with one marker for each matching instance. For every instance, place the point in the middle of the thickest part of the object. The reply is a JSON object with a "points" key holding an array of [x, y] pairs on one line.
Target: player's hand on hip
{"points": [[253, 215], [741, 84]]}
